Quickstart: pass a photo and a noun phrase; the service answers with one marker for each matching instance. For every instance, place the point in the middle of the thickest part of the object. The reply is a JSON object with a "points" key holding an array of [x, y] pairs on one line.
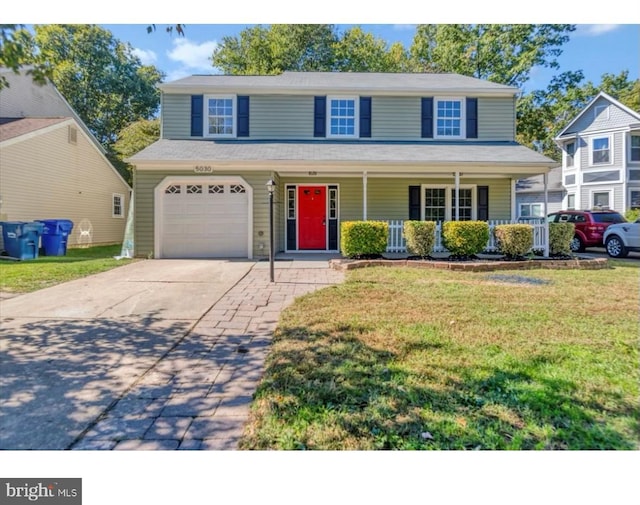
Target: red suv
{"points": [[590, 225]]}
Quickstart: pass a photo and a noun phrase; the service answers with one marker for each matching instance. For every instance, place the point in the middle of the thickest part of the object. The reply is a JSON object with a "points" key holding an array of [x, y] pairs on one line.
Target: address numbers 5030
{"points": [[203, 169]]}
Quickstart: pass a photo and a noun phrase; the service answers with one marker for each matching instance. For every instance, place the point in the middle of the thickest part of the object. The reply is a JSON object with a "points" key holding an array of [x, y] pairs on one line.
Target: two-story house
{"points": [[601, 157], [339, 146]]}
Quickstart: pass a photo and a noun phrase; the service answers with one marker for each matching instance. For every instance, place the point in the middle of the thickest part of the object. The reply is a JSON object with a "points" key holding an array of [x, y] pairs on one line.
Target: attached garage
{"points": [[203, 217]]}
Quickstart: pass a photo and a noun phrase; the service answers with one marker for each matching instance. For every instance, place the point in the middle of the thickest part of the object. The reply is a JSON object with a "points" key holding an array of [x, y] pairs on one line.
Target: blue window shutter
{"points": [[197, 111], [414, 203], [483, 203], [243, 116], [365, 116], [427, 117], [320, 116], [472, 118]]}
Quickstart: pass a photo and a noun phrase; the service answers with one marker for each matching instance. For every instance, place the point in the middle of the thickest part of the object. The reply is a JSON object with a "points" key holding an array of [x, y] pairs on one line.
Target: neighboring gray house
{"points": [[601, 157], [339, 146], [530, 194]]}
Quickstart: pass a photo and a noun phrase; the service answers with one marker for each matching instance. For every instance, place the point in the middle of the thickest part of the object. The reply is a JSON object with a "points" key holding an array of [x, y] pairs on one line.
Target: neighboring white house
{"points": [[51, 167], [601, 157], [530, 194]]}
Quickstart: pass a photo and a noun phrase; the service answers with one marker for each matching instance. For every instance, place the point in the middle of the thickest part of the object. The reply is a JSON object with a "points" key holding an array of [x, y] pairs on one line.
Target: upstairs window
{"points": [[449, 118], [570, 150], [601, 151], [635, 147], [342, 116], [220, 116]]}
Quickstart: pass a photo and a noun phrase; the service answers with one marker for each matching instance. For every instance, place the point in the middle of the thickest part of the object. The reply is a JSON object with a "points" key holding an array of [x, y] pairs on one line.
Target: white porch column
{"points": [[514, 211], [364, 196], [457, 190], [544, 216]]}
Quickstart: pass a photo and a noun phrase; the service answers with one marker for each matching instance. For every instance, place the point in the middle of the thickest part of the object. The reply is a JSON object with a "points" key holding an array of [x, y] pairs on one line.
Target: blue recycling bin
{"points": [[21, 240], [55, 236]]}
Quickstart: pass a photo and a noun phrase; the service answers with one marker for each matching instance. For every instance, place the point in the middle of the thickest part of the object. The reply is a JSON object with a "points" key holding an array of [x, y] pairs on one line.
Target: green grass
{"points": [[45, 271], [428, 359]]}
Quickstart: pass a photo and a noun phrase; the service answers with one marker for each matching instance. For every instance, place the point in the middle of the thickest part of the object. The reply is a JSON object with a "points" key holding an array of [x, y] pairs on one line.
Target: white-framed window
{"points": [[220, 115], [449, 118], [571, 201], [634, 198], [601, 151], [634, 154], [531, 210], [570, 152], [117, 205], [600, 176], [601, 112], [601, 199], [570, 179], [342, 116], [439, 203]]}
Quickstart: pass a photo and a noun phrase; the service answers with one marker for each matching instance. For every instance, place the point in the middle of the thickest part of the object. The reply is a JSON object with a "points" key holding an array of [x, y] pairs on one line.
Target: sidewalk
{"points": [[198, 394]]}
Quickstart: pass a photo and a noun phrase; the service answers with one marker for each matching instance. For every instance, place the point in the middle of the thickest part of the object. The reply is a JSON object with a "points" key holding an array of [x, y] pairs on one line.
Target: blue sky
{"points": [[593, 48]]}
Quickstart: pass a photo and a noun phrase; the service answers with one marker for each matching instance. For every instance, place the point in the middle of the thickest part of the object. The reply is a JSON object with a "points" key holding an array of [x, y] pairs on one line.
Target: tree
{"points": [[99, 76], [133, 139], [496, 52], [16, 50], [360, 51]]}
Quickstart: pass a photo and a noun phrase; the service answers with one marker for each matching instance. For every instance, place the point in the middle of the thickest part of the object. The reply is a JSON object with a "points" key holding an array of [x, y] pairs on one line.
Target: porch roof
{"points": [[311, 152]]}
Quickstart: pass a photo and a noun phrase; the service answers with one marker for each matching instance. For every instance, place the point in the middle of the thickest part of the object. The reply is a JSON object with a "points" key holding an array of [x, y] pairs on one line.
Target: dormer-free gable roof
{"points": [[341, 82], [605, 96]]}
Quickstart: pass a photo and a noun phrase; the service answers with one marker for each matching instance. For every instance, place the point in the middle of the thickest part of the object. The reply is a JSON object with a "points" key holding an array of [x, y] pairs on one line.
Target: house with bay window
{"points": [[601, 157], [339, 147]]}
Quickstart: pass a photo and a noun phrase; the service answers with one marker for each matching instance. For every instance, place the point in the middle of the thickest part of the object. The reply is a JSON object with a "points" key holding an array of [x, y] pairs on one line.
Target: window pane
{"points": [[635, 199], [571, 201], [602, 143], [525, 210], [435, 204], [601, 200], [608, 176]]}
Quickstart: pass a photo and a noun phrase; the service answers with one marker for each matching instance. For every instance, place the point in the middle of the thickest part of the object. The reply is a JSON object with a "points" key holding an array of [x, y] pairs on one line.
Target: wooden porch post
{"points": [[364, 196], [544, 216], [457, 190]]}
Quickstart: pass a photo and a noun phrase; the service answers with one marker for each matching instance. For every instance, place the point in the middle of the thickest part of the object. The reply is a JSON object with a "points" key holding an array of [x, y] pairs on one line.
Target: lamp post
{"points": [[271, 187]]}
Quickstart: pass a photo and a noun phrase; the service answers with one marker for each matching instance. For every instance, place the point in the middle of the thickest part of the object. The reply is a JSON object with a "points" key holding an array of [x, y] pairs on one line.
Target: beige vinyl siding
{"points": [[46, 177], [395, 118], [146, 181], [496, 119], [176, 116], [281, 117]]}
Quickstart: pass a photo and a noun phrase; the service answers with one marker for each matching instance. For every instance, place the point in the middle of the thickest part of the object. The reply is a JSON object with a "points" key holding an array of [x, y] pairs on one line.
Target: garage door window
{"points": [[216, 189], [237, 188], [173, 190]]}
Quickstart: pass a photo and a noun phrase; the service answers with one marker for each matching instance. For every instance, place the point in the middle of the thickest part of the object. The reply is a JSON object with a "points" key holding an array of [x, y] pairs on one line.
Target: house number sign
{"points": [[203, 169]]}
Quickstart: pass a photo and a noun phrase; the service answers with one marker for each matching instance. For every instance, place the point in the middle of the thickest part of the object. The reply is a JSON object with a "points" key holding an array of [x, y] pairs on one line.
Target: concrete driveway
{"points": [[158, 354]]}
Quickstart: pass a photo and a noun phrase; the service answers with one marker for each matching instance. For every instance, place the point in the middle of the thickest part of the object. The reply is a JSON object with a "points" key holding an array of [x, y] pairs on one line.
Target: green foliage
{"points": [[632, 214], [16, 51], [363, 238], [360, 51], [560, 237], [133, 139], [514, 240], [465, 238], [420, 237]]}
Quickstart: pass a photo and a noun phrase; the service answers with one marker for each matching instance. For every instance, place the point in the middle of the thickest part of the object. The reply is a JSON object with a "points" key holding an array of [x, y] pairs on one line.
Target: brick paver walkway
{"points": [[197, 396]]}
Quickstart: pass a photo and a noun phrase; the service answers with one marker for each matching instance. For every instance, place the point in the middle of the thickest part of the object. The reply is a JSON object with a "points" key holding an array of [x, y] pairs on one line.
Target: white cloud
{"points": [[193, 55], [147, 57], [595, 30]]}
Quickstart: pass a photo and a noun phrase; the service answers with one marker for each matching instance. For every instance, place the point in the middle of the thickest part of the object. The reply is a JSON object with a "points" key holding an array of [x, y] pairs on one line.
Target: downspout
{"points": [[546, 221], [457, 190], [364, 196]]}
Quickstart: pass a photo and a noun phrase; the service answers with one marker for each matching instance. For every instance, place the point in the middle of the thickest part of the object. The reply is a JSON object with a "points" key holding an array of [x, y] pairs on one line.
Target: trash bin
{"points": [[55, 236], [21, 240]]}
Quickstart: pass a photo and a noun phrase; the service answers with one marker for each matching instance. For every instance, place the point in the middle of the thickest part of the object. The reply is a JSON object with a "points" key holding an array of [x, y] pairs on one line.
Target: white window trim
{"points": [[597, 110], [463, 116], [566, 154], [631, 136], [234, 106], [449, 210], [582, 174], [592, 192], [575, 201], [629, 195], [113, 205], [591, 141], [356, 113], [541, 204]]}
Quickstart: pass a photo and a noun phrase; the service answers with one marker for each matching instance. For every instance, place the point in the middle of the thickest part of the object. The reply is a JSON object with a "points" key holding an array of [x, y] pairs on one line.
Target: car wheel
{"points": [[576, 244], [615, 247]]}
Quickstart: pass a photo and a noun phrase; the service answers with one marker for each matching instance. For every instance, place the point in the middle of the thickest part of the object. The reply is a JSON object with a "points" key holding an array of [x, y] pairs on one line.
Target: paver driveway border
{"points": [[145, 383]]}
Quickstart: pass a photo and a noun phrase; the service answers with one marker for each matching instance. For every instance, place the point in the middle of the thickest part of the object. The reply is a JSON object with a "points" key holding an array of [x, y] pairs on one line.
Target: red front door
{"points": [[312, 217]]}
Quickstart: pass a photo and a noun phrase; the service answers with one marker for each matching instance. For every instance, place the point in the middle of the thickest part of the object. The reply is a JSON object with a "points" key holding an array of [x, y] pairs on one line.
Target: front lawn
{"points": [[44, 271], [400, 358]]}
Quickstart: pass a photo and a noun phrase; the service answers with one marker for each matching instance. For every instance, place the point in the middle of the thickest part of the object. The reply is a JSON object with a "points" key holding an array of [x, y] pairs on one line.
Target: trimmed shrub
{"points": [[360, 239], [514, 240], [560, 237], [465, 238], [420, 237]]}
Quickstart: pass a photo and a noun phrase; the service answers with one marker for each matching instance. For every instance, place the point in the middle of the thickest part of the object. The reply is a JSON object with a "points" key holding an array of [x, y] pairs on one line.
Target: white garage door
{"points": [[204, 220]]}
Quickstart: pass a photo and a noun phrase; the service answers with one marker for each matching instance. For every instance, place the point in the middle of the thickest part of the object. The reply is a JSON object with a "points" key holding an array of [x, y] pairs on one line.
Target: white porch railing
{"points": [[397, 244]]}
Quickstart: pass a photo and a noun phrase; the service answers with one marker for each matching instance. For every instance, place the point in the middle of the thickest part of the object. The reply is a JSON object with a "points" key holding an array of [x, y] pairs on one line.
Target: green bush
{"points": [[632, 214], [363, 238], [560, 237], [514, 239], [420, 237], [465, 238]]}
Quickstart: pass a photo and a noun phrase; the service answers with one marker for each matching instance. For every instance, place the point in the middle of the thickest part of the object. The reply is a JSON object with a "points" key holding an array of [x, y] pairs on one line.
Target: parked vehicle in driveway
{"points": [[621, 238], [590, 225]]}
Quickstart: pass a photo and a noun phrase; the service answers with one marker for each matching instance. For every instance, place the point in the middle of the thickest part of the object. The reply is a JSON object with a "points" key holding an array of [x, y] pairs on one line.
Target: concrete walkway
{"points": [[147, 383]]}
